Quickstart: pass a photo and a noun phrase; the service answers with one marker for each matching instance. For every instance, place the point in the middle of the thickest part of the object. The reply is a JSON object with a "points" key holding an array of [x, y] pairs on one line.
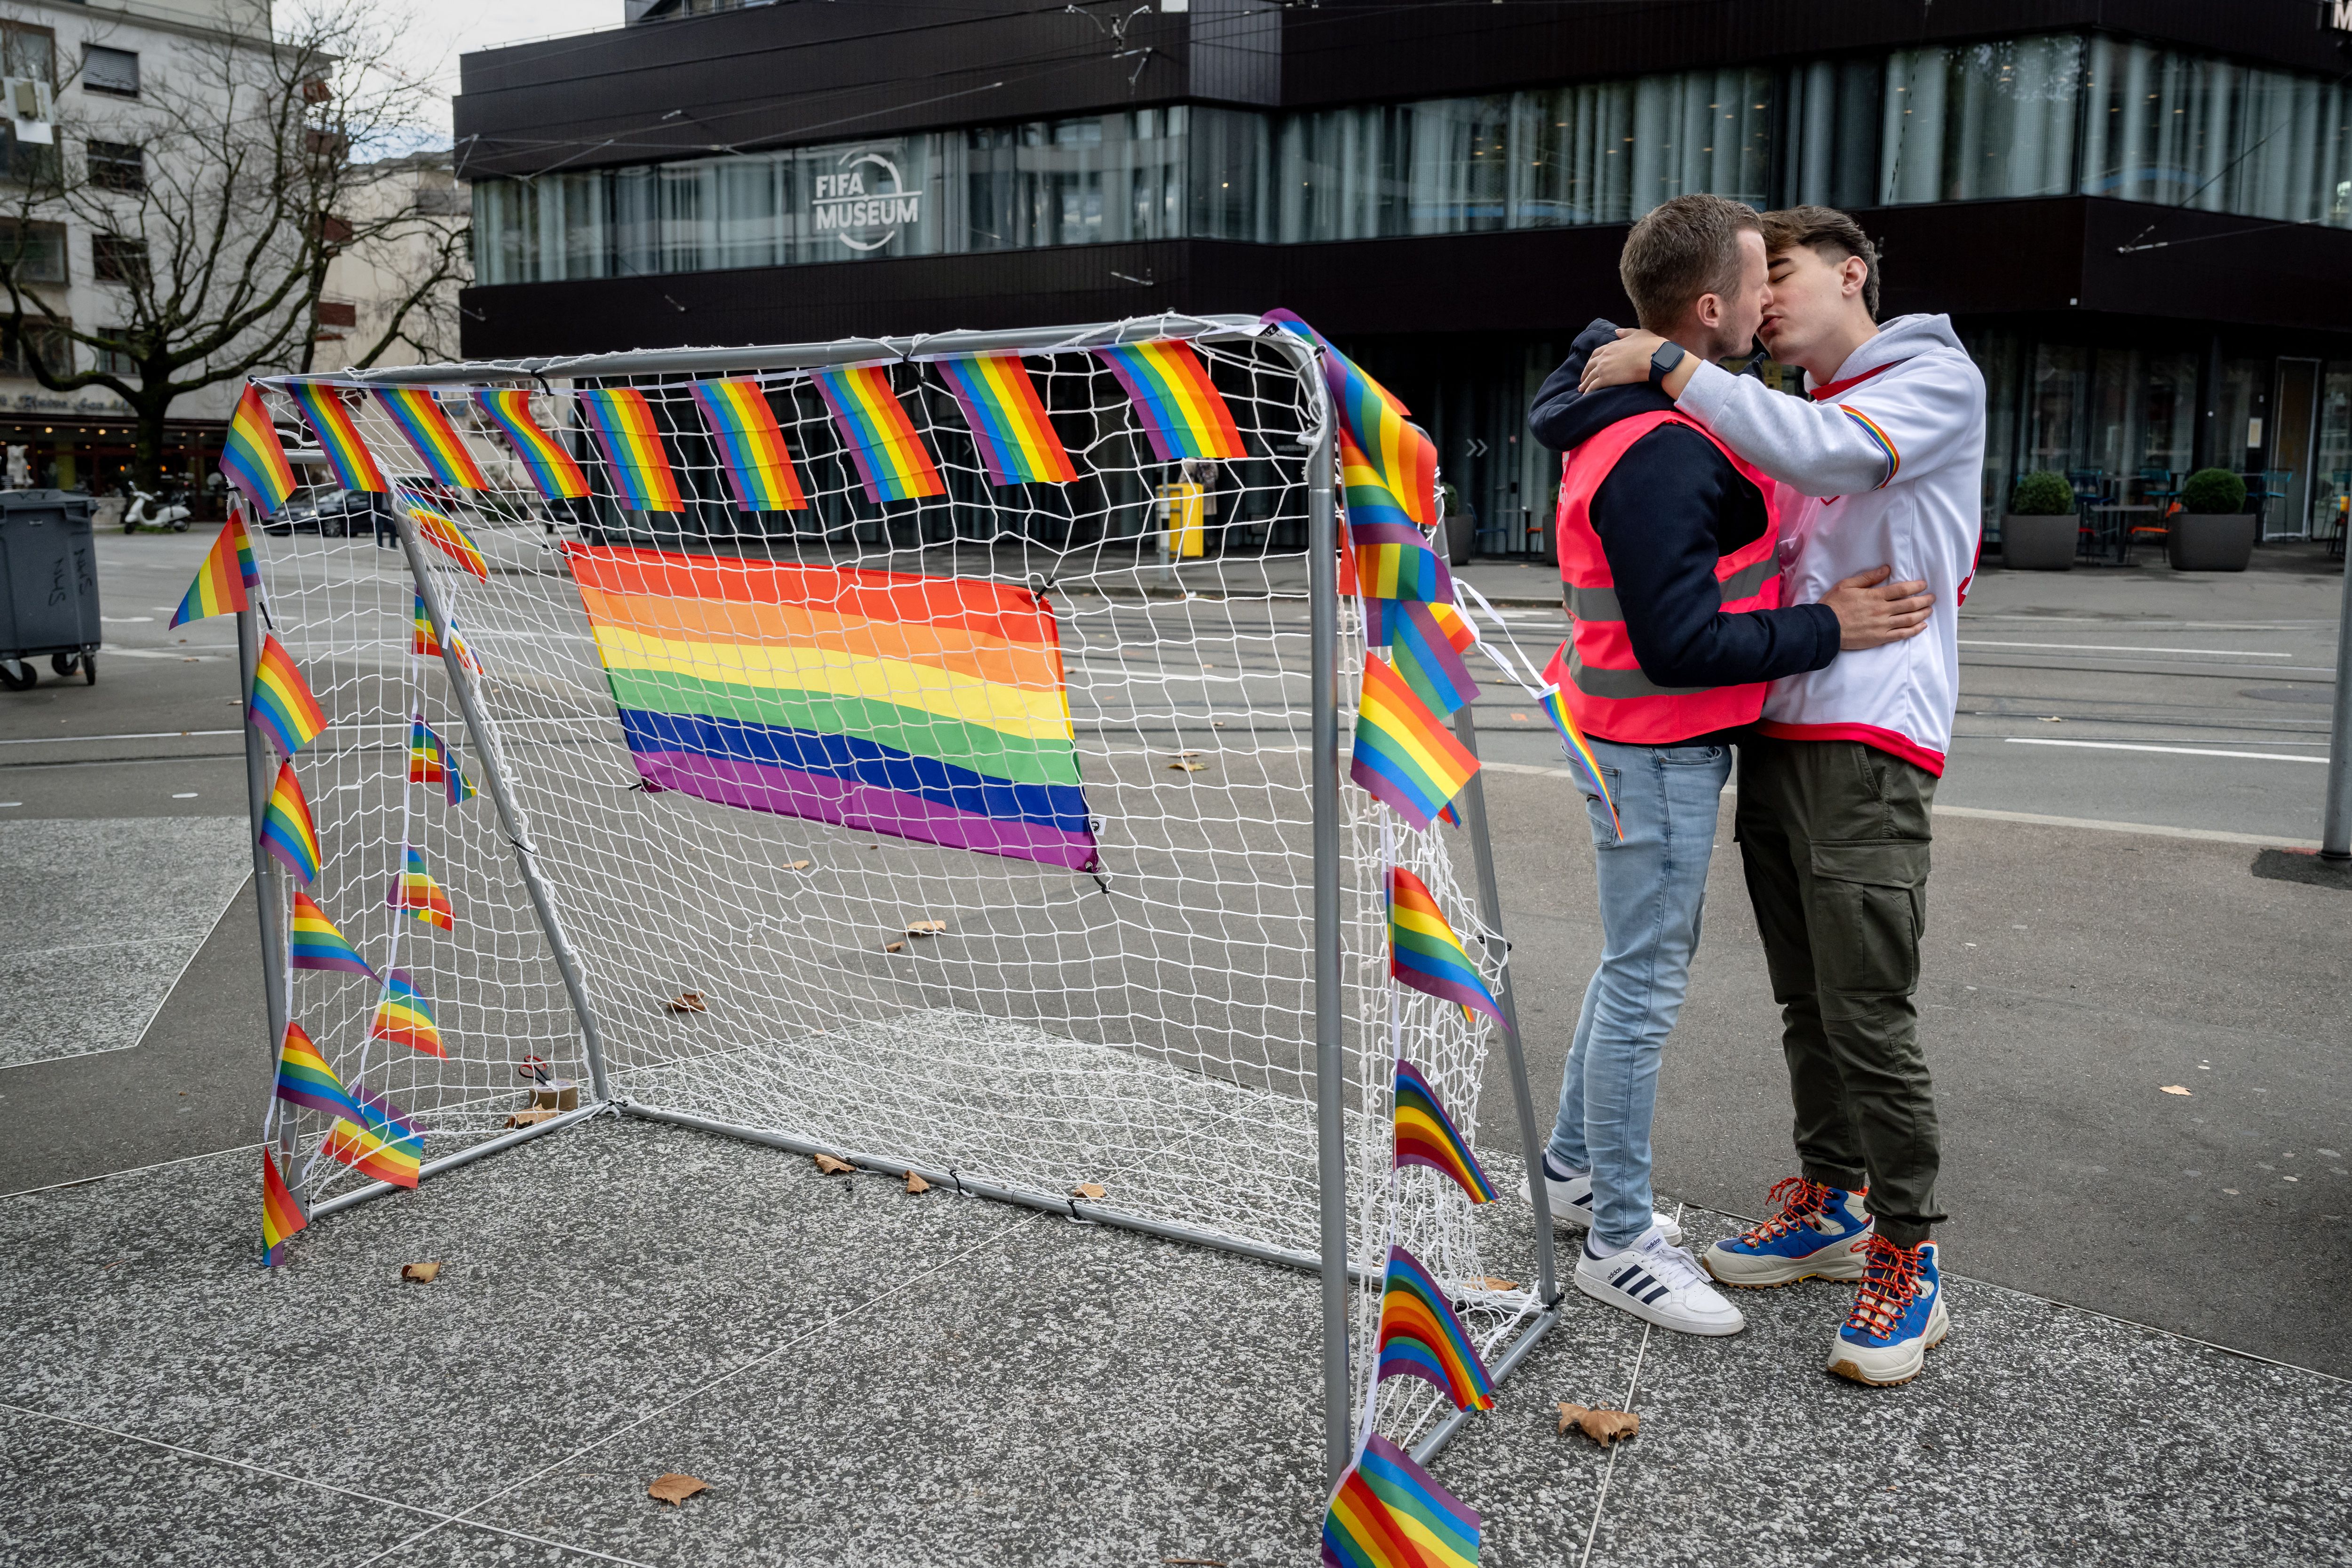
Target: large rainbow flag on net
{"points": [[929, 707]]}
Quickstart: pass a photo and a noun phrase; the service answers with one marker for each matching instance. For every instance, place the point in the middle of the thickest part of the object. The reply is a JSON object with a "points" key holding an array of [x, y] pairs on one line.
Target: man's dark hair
{"points": [[1681, 249], [1831, 236]]}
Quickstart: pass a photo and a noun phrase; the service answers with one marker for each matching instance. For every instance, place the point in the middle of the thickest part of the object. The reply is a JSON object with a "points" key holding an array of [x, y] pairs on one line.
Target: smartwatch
{"points": [[1661, 363]]}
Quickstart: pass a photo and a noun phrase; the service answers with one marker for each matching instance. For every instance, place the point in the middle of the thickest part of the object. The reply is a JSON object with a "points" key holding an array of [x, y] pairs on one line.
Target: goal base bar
{"points": [[448, 1163], [1445, 1431]]}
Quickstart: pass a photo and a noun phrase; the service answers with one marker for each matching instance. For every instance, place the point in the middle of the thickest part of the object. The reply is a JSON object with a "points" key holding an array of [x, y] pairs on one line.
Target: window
{"points": [[114, 361], [29, 52], [114, 71], [117, 166], [34, 253], [36, 342], [118, 258]]}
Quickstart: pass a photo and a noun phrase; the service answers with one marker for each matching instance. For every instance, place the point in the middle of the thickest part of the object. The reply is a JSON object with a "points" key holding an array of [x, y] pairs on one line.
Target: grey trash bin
{"points": [[49, 586]]}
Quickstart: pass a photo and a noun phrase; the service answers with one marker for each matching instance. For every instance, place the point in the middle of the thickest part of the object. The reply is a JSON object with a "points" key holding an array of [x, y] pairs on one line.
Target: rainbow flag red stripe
{"points": [[1426, 1136], [1389, 1512], [1421, 1337], [286, 830], [253, 459], [428, 430], [1401, 455], [339, 435], [1008, 421], [280, 702], [1404, 756], [551, 467], [751, 446], [221, 581], [892, 462], [422, 642], [625, 426], [445, 536], [379, 1140], [413, 889], [304, 1078], [1571, 735], [281, 1216], [1423, 952], [404, 1018], [425, 764], [1178, 407], [315, 944]]}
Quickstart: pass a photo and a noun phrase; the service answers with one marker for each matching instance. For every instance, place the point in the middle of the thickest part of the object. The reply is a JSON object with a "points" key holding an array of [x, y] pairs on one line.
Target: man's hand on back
{"points": [[1627, 361], [1871, 611]]}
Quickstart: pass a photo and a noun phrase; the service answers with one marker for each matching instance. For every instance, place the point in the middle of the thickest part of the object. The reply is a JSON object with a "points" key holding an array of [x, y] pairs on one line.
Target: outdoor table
{"points": [[2116, 519]]}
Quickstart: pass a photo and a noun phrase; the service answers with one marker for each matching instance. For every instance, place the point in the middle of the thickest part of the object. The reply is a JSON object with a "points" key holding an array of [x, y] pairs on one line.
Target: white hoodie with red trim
{"points": [[1882, 467]]}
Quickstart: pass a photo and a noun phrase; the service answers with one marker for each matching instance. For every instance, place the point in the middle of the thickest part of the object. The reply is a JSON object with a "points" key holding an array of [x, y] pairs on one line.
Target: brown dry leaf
{"points": [[675, 1489], [1089, 1190], [833, 1167], [916, 1184], [894, 947], [926, 928], [2174, 1088], [420, 1273], [1187, 767], [688, 1002], [1490, 1283], [1216, 724], [796, 865], [531, 1118], [1603, 1427]]}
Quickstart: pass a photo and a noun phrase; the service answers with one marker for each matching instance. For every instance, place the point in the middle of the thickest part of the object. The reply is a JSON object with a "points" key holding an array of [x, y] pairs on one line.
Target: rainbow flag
{"points": [[423, 643], [315, 944], [378, 1140], [1403, 753], [892, 462], [287, 831], [1402, 456], [551, 467], [252, 458], [1389, 1512], [427, 429], [404, 1018], [1423, 952], [930, 708], [1571, 735], [751, 446], [1426, 1136], [1425, 641], [1008, 422], [280, 701], [625, 426], [1173, 397], [304, 1078], [338, 436], [281, 1216], [413, 889], [1421, 1337], [445, 536], [431, 761], [221, 581]]}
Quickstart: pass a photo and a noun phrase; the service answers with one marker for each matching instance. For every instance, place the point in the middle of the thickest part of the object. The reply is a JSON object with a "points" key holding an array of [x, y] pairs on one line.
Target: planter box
{"points": [[2198, 542], [1461, 537], [2038, 544]]}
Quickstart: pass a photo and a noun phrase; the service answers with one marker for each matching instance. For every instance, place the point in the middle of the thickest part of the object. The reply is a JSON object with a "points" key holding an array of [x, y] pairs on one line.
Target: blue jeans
{"points": [[1653, 887]]}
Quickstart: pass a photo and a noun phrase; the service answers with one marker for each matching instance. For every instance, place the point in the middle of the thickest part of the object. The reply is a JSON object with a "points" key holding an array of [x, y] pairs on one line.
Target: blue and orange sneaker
{"points": [[1820, 1233], [1898, 1315]]}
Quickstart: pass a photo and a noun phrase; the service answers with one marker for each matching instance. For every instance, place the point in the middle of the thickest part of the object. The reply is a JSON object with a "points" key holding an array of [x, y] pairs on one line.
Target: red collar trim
{"points": [[1823, 393]]}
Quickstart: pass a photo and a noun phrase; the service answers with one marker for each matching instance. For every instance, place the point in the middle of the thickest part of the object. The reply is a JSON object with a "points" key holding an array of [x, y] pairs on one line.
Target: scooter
{"points": [[146, 511]]}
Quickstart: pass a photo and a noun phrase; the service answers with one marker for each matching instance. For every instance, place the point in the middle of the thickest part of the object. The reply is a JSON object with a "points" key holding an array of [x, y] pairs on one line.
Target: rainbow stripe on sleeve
{"points": [[551, 467], [624, 423], [1008, 421], [751, 446], [1879, 438], [339, 435], [252, 458], [890, 459], [1389, 1512], [1180, 408], [1426, 1136], [287, 831], [427, 429], [1421, 1337]]}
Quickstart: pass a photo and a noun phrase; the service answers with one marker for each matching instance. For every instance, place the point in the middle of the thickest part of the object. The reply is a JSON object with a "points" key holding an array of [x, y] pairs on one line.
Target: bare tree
{"points": [[215, 204]]}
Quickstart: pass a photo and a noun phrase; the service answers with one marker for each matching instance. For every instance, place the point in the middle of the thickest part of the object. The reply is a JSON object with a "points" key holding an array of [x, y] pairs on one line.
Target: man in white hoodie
{"points": [[1881, 463]]}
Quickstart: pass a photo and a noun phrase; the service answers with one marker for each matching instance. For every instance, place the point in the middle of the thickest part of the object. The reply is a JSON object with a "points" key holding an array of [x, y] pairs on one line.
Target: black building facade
{"points": [[2139, 213]]}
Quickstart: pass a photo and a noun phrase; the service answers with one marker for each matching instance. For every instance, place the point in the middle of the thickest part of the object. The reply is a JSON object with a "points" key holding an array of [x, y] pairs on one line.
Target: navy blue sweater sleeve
{"points": [[1656, 514]]}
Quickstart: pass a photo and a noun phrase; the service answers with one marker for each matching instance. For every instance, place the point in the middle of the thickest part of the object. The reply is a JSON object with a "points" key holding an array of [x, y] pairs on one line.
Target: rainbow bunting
{"points": [[221, 581], [1421, 1337], [339, 435], [404, 1018], [1173, 397], [1571, 735], [1426, 644], [252, 458], [304, 1078], [1401, 455], [1403, 755], [413, 889], [892, 462], [445, 536], [281, 1216], [625, 428], [378, 1140], [551, 467], [287, 831], [280, 702], [751, 446], [423, 643], [1389, 1512], [1392, 559], [431, 761], [427, 429], [315, 944], [1423, 952], [1008, 422], [1426, 1136], [930, 708]]}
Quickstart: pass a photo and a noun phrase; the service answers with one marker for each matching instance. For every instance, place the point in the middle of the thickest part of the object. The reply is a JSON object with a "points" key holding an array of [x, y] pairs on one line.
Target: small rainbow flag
{"points": [[221, 581], [315, 944], [552, 468], [304, 1078], [1008, 421], [751, 446], [423, 643], [404, 1018], [281, 1216], [338, 436], [625, 426], [1571, 734], [1402, 456], [1389, 1512], [287, 831], [431, 761], [1173, 397], [1426, 642], [445, 536], [415, 889], [1421, 1337], [1423, 952], [280, 701], [892, 462], [427, 429], [253, 459], [1426, 1136], [1403, 755], [378, 1140]]}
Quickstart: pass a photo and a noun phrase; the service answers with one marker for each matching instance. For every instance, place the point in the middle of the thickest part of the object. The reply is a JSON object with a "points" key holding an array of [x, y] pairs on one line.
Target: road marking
{"points": [[123, 620], [190, 795], [2169, 750], [2122, 647], [147, 735]]}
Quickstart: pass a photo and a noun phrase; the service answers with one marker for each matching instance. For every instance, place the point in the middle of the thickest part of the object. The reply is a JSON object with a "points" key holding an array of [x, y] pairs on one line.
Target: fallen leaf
{"points": [[531, 1118], [833, 1167], [926, 928], [916, 1184], [1216, 724], [420, 1273], [1180, 755], [1603, 1427], [2174, 1088], [688, 1002], [894, 947], [796, 865], [1089, 1190], [675, 1489], [1187, 767], [1490, 1283]]}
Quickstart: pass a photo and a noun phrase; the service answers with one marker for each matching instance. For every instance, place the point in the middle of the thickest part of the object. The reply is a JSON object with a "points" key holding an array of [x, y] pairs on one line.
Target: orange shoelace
{"points": [[1890, 1278], [1800, 1201]]}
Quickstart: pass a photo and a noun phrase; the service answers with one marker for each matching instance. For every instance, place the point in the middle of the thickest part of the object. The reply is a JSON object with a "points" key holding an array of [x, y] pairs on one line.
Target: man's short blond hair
{"points": [[1829, 234], [1681, 249]]}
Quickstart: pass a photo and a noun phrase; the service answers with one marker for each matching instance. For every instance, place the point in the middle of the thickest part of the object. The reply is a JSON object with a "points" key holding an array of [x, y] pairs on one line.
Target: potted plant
{"points": [[2213, 531], [2038, 533], [1461, 528]]}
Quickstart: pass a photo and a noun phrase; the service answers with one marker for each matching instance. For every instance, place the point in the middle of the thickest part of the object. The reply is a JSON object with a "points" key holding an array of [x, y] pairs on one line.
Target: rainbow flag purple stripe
{"points": [[892, 462]]}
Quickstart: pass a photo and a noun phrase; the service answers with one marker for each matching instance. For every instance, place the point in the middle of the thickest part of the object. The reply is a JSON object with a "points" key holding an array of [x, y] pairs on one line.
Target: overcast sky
{"points": [[448, 28]]}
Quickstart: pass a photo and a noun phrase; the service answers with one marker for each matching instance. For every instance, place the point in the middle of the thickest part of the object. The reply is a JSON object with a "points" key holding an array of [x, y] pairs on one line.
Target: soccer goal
{"points": [[922, 752]]}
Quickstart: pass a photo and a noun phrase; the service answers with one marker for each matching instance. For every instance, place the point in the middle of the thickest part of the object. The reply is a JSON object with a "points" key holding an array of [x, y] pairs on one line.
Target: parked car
{"points": [[338, 514]]}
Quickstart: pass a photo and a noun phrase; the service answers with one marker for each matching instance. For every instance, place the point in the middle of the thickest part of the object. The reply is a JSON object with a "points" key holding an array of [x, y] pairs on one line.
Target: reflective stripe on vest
{"points": [[1599, 603]]}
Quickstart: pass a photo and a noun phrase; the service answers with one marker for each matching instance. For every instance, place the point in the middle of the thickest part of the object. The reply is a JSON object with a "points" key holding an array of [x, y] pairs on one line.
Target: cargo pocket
{"points": [[1870, 909]]}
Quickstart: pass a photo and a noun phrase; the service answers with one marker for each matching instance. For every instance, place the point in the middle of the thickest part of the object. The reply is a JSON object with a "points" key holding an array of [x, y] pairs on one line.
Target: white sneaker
{"points": [[1572, 1204], [1660, 1283]]}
